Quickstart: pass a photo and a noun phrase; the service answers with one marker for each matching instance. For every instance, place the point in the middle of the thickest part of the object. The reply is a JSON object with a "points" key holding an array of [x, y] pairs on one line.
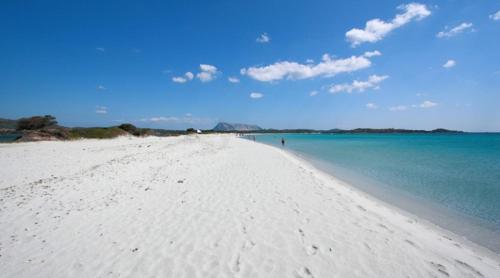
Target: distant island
{"points": [[223, 126], [359, 131], [246, 128]]}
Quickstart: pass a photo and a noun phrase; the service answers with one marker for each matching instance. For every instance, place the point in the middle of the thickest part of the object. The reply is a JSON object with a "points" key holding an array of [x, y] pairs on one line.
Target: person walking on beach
{"points": [[282, 141]]}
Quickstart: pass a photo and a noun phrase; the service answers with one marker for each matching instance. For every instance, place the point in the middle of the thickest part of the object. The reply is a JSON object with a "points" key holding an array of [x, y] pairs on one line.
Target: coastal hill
{"points": [[222, 126]]}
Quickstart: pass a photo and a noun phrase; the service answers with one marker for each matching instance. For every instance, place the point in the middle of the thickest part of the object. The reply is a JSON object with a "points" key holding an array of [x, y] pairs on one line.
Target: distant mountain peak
{"points": [[223, 126]]}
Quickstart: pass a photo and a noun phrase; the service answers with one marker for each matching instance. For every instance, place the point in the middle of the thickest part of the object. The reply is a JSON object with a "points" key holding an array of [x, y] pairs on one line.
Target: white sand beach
{"points": [[205, 206]]}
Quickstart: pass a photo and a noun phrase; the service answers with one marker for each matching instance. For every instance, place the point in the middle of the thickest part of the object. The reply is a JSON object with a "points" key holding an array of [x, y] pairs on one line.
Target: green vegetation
{"points": [[38, 128], [96, 132], [165, 132], [36, 122], [115, 131], [130, 128]]}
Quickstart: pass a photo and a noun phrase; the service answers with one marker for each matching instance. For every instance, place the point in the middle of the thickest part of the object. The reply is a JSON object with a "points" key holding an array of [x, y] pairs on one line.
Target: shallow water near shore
{"points": [[6, 138], [452, 180]]}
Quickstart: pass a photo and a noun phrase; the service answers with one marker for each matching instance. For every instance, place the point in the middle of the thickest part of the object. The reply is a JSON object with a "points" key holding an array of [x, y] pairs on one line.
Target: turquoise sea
{"points": [[5, 138], [452, 180]]}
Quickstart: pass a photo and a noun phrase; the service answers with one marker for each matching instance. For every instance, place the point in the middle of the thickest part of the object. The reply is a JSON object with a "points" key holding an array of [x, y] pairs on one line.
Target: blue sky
{"points": [[298, 64]]}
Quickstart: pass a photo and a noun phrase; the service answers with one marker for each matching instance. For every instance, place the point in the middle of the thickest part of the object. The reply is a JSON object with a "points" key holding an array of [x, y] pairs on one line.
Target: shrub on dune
{"points": [[36, 122]]}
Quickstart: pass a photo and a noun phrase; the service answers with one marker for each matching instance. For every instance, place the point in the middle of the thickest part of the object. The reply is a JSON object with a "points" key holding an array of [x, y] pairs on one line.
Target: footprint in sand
{"points": [[236, 265], [304, 272], [248, 244], [312, 250], [361, 208], [439, 268], [469, 268]]}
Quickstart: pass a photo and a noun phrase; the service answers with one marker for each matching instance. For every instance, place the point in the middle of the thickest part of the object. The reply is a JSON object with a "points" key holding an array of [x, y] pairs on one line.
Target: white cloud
{"points": [[233, 79], [424, 105], [179, 79], [100, 49], [495, 16], [309, 61], [371, 106], [205, 76], [208, 68], [101, 110], [189, 75], [183, 79], [160, 119], [313, 93], [372, 82], [256, 95], [449, 64], [263, 38], [208, 73], [427, 104], [292, 70], [376, 29], [188, 119], [370, 54], [398, 108], [454, 31], [101, 88]]}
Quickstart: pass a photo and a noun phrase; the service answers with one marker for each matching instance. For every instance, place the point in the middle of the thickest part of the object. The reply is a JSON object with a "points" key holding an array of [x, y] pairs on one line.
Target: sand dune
{"points": [[205, 206]]}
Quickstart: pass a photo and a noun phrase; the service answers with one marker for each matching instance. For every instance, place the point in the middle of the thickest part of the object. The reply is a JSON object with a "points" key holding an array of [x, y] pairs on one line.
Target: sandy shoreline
{"points": [[205, 206]]}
